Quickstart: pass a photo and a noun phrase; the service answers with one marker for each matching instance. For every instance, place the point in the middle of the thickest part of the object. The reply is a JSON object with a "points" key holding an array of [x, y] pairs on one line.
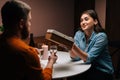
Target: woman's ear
{"points": [[96, 22]]}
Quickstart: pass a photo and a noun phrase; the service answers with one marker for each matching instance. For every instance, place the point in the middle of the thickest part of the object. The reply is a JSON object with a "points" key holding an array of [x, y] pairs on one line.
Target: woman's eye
{"points": [[86, 19]]}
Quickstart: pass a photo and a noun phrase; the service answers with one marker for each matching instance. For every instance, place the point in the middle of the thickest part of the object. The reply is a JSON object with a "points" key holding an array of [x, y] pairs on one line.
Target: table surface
{"points": [[65, 67]]}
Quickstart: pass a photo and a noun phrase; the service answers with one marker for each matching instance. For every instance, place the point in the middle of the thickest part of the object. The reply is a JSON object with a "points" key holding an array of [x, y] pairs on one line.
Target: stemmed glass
{"points": [[53, 49]]}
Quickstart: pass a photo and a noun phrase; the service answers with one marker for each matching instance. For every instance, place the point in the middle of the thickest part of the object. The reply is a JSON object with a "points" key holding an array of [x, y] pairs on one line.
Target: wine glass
{"points": [[53, 49]]}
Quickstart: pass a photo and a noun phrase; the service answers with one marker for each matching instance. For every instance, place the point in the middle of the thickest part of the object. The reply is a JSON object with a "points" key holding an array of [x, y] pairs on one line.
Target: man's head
{"points": [[16, 16]]}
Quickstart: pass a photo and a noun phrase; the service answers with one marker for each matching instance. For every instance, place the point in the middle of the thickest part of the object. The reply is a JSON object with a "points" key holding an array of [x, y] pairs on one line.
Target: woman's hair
{"points": [[93, 14], [12, 12]]}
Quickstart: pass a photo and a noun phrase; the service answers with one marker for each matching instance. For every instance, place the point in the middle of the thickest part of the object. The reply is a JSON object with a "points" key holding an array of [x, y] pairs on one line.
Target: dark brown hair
{"points": [[12, 12]]}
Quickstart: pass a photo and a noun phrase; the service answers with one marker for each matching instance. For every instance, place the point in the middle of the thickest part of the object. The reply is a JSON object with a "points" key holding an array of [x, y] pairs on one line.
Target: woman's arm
{"points": [[77, 52]]}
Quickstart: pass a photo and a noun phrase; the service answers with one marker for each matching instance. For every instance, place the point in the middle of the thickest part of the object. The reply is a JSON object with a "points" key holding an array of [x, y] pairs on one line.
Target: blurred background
{"points": [[63, 16]]}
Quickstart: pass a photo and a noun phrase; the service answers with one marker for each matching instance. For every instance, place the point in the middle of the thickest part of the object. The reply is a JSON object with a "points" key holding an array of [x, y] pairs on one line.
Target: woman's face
{"points": [[87, 22]]}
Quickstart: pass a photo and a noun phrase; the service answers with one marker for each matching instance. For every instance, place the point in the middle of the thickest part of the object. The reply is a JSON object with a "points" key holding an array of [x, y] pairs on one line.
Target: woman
{"points": [[91, 45]]}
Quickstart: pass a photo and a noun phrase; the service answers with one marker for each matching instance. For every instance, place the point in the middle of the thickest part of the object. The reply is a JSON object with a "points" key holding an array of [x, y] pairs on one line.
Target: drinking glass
{"points": [[53, 48]]}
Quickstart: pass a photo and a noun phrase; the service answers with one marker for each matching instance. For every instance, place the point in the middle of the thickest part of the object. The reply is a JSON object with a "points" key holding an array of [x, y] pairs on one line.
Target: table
{"points": [[65, 67]]}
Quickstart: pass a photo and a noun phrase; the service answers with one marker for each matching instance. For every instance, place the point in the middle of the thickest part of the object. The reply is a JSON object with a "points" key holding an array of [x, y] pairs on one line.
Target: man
{"points": [[19, 61]]}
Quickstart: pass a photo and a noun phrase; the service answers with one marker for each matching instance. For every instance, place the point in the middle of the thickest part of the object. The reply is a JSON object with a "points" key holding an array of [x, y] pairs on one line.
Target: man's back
{"points": [[18, 60], [12, 63]]}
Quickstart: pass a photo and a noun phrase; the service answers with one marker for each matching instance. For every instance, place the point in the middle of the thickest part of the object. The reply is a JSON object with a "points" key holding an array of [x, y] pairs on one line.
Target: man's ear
{"points": [[21, 23]]}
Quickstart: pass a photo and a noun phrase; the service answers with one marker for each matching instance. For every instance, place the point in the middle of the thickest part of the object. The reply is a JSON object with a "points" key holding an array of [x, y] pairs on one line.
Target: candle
{"points": [[45, 52]]}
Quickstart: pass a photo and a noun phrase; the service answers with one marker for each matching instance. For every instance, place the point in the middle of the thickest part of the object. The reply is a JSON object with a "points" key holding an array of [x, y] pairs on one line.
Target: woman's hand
{"points": [[76, 51], [72, 54]]}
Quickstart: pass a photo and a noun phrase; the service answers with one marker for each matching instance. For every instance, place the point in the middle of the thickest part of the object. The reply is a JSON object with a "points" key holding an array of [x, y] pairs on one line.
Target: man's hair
{"points": [[12, 12]]}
